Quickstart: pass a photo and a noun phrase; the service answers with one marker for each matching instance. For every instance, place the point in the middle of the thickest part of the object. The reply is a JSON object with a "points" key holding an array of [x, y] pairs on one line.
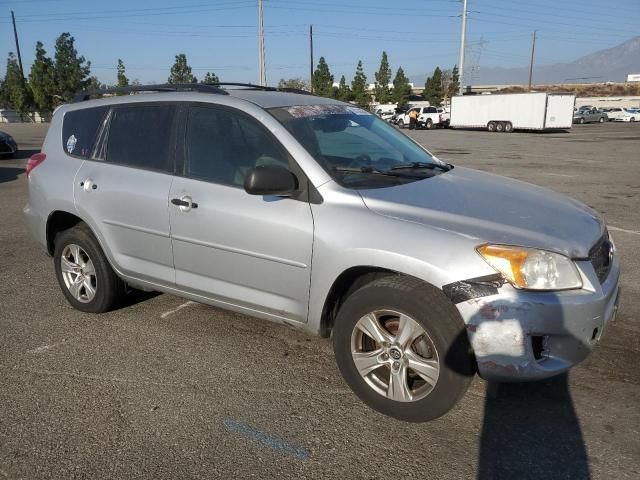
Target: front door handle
{"points": [[185, 203]]}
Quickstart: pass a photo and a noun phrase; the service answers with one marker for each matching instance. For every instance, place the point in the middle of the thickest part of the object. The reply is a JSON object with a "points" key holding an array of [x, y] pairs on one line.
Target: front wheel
{"points": [[601, 120], [87, 280], [581, 121], [401, 123], [429, 124], [403, 349]]}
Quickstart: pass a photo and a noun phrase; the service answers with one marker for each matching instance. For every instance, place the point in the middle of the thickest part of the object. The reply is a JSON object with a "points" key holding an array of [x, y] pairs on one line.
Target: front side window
{"points": [[141, 136], [356, 148], [80, 129], [222, 145]]}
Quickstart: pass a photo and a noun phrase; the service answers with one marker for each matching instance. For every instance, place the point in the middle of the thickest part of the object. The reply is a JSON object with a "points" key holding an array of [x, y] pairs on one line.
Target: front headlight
{"points": [[531, 268]]}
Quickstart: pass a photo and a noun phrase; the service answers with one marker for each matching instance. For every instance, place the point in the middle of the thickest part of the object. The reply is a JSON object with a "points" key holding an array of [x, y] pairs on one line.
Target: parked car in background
{"points": [[628, 115], [428, 117], [614, 112], [8, 146], [590, 116]]}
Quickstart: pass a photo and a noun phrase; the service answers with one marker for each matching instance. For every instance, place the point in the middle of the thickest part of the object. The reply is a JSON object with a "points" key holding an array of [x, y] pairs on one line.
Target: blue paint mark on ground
{"points": [[266, 439]]}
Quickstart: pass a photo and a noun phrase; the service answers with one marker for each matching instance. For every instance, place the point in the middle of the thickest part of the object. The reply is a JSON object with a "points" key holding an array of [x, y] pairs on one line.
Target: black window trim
{"points": [[306, 191]]}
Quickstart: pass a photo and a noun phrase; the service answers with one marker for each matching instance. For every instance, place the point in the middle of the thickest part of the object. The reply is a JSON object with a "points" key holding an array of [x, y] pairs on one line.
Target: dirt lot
{"points": [[164, 389]]}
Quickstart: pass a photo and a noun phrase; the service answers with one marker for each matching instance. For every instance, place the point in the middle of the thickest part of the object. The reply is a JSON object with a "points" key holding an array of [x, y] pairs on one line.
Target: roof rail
{"points": [[166, 87], [263, 87]]}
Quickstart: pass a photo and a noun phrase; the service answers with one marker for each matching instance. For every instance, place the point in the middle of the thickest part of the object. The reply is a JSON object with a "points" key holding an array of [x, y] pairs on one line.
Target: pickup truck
{"points": [[428, 117]]}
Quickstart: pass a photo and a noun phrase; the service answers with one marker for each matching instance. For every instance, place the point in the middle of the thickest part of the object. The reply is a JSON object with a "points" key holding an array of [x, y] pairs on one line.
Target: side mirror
{"points": [[270, 180]]}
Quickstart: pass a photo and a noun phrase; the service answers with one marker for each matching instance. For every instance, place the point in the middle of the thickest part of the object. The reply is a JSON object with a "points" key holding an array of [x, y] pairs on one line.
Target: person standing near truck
{"points": [[413, 118]]}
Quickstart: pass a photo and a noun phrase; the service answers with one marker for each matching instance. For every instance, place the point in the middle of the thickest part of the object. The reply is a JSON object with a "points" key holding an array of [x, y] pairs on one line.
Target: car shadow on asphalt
{"points": [[9, 174], [531, 431]]}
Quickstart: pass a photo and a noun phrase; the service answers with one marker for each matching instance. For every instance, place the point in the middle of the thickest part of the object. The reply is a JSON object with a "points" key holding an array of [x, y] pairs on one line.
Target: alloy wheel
{"points": [[395, 356], [78, 273]]}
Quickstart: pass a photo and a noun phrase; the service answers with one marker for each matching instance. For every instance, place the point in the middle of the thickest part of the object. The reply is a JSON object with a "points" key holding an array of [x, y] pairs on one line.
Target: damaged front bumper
{"points": [[522, 335]]}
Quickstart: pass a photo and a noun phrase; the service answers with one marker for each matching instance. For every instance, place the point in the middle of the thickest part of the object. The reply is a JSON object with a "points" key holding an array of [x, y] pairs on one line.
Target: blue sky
{"points": [[220, 35]]}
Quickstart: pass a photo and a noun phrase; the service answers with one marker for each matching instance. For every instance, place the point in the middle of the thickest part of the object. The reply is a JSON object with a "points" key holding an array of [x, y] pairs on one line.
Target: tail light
{"points": [[34, 161]]}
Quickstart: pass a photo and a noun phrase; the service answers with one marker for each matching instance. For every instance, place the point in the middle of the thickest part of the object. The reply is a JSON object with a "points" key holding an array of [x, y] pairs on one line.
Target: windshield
{"points": [[356, 148]]}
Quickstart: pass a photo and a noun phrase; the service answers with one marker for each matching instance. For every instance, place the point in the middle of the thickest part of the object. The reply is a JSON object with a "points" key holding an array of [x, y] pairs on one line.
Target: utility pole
{"points": [[15, 34], [463, 33], [533, 51], [311, 55], [262, 69]]}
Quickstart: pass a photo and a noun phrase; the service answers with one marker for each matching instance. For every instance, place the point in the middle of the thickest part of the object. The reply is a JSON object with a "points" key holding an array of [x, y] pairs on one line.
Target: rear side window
{"points": [[80, 129], [141, 136]]}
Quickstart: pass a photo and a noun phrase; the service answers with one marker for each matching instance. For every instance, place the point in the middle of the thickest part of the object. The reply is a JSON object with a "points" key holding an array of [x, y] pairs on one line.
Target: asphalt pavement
{"points": [[166, 388]]}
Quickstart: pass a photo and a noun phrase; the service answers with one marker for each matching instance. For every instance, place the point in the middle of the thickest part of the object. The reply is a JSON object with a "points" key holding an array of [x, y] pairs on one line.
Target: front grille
{"points": [[600, 257]]}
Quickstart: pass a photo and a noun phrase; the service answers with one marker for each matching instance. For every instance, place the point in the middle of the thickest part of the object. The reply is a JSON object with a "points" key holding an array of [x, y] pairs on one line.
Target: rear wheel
{"points": [[581, 121], [508, 127], [87, 280], [429, 124], [403, 349], [401, 123], [601, 120], [491, 127], [500, 127]]}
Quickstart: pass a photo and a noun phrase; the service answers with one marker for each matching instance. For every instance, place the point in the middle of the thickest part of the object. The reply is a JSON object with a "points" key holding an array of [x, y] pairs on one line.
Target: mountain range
{"points": [[612, 64]]}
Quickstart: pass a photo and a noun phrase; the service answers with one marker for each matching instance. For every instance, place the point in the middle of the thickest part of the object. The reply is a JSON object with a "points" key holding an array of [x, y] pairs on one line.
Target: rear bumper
{"points": [[519, 335], [36, 225]]}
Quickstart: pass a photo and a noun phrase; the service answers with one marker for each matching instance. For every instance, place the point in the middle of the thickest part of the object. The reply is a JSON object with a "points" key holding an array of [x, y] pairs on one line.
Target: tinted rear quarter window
{"points": [[141, 136], [80, 129]]}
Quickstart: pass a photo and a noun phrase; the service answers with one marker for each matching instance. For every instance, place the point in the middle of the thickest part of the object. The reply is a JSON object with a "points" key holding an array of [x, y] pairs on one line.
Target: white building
{"points": [[633, 77]]}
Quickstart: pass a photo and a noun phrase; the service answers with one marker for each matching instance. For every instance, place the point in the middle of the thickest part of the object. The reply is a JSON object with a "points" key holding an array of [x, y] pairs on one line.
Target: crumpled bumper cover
{"points": [[521, 335]]}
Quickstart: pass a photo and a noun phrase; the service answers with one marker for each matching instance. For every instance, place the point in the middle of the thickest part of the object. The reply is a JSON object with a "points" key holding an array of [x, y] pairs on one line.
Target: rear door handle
{"points": [[184, 203], [88, 184]]}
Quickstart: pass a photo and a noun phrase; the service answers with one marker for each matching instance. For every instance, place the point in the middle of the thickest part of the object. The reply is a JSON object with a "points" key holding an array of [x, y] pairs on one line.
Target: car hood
{"points": [[491, 208]]}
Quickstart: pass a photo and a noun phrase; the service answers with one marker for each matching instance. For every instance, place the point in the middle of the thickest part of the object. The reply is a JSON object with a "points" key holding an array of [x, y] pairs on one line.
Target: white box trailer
{"points": [[505, 112]]}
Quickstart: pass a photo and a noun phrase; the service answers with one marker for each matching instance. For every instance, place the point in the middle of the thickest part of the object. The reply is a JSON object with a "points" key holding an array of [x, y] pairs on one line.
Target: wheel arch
{"points": [[59, 221], [348, 281]]}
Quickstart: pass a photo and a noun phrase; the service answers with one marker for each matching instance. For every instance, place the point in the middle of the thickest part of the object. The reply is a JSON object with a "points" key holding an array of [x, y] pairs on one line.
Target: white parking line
{"points": [[624, 230], [177, 309], [44, 348]]}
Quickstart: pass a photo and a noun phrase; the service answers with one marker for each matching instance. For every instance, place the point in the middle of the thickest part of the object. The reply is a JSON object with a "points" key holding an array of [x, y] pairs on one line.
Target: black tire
{"points": [[436, 315], [632, 119], [500, 127], [429, 124], [508, 127], [601, 120], [110, 289], [491, 127], [401, 123], [581, 121]]}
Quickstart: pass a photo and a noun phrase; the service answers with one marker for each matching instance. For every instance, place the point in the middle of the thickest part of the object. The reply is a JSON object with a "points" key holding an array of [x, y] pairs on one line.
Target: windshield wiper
{"points": [[370, 170], [419, 165]]}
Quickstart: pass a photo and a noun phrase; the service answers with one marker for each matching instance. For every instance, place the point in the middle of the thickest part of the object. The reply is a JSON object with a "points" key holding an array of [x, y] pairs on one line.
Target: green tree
{"points": [[359, 85], [322, 79], [401, 88], [42, 81], [95, 84], [454, 86], [17, 91], [71, 72], [433, 88], [211, 78], [123, 81], [383, 77], [344, 92], [181, 71], [295, 83]]}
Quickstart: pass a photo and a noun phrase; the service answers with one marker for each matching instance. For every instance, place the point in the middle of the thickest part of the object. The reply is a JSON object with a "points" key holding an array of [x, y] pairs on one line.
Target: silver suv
{"points": [[311, 212]]}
